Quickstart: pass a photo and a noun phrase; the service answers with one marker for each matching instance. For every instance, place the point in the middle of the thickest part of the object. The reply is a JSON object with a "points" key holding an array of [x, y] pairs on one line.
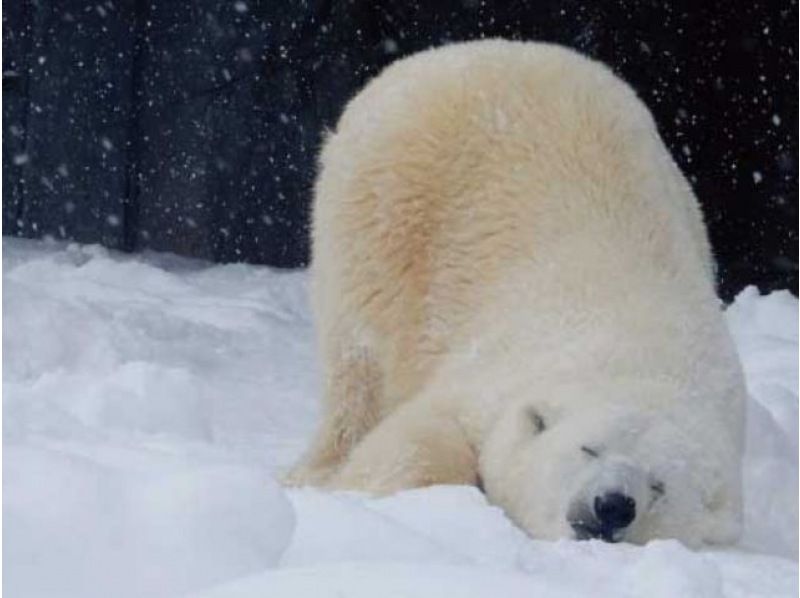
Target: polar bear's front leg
{"points": [[420, 444], [351, 408]]}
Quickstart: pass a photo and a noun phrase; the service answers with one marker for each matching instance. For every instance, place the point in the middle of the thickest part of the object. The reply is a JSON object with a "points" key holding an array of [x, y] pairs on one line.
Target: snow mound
{"points": [[661, 569], [766, 333], [80, 527], [151, 401]]}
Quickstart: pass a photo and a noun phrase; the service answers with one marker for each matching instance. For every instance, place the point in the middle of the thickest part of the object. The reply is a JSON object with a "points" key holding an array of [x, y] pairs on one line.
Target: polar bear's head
{"points": [[620, 469]]}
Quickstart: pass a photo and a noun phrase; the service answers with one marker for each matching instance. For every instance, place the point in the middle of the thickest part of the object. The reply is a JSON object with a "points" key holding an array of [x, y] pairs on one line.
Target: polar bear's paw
{"points": [[308, 474]]}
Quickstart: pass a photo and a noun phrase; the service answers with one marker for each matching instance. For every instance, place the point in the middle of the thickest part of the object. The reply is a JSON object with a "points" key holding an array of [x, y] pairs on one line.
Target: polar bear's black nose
{"points": [[614, 511], [606, 518]]}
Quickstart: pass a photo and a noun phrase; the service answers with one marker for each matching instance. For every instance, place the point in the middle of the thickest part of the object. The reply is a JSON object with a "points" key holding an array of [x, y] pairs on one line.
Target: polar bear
{"points": [[513, 288]]}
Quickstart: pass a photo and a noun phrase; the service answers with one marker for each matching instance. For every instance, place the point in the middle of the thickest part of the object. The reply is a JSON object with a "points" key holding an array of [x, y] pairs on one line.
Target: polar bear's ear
{"points": [[537, 420]]}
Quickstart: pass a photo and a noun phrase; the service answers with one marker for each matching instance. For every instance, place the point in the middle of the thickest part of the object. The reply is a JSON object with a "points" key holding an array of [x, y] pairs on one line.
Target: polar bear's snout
{"points": [[610, 515], [609, 501]]}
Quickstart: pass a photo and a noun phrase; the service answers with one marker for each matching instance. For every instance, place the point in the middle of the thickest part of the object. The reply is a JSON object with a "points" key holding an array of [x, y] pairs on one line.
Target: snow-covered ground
{"points": [[150, 402]]}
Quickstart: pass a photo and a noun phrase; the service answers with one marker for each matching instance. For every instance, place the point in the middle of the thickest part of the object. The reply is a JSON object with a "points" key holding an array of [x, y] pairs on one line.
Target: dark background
{"points": [[192, 126]]}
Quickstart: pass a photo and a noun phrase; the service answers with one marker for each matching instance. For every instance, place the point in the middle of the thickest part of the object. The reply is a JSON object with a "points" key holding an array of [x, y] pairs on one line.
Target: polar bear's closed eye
{"points": [[537, 420], [590, 451]]}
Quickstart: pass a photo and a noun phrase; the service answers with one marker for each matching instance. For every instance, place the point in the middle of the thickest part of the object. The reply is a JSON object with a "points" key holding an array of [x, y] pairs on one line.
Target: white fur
{"points": [[498, 228]]}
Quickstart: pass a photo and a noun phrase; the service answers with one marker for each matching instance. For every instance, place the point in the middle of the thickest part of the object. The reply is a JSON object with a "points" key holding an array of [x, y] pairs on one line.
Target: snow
{"points": [[766, 334], [151, 402], [77, 525]]}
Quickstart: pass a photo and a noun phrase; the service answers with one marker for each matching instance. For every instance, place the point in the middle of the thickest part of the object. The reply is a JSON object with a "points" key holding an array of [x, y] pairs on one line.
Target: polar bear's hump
{"points": [[459, 163]]}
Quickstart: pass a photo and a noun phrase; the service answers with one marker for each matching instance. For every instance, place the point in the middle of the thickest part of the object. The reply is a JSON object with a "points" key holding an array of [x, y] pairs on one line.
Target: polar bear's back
{"points": [[459, 163]]}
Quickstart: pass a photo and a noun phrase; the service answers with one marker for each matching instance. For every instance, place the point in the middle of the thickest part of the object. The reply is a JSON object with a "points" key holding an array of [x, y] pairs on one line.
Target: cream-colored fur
{"points": [[498, 230]]}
